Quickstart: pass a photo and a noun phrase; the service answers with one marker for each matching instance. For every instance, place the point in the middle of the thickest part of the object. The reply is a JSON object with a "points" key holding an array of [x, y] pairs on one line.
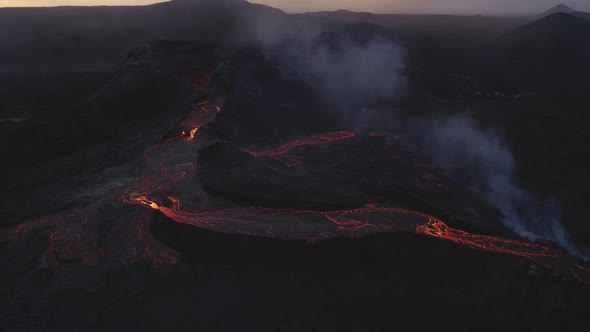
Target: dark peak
{"points": [[558, 17], [345, 14], [561, 8], [556, 29], [555, 24], [346, 11]]}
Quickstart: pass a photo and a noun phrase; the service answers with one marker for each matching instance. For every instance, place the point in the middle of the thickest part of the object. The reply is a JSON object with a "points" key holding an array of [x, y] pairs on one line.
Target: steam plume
{"points": [[480, 160], [356, 76], [352, 73], [353, 68]]}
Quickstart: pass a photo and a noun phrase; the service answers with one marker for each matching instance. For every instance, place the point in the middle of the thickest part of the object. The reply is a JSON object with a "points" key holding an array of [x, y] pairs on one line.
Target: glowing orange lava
{"points": [[437, 228], [202, 103], [281, 153], [309, 225], [193, 132], [172, 164]]}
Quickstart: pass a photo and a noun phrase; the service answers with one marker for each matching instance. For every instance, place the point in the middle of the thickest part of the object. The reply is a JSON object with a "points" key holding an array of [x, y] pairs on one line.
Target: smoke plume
{"points": [[480, 160], [353, 68], [359, 72], [350, 73]]}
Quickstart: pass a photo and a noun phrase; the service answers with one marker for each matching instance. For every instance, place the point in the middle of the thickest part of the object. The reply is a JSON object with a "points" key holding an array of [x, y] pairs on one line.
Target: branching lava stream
{"points": [[171, 187], [281, 153], [296, 224]]}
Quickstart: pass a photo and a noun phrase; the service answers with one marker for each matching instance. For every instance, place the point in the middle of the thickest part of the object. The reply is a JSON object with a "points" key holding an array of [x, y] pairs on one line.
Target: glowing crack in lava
{"points": [[295, 224], [75, 235], [281, 153], [193, 132], [171, 187], [437, 228], [156, 192]]}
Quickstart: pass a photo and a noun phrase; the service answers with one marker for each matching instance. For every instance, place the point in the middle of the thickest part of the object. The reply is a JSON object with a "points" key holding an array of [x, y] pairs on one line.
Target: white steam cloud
{"points": [[359, 74], [351, 67], [480, 160], [350, 73]]}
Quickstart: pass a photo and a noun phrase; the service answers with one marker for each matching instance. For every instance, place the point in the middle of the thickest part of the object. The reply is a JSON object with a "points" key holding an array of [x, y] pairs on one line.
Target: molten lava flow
{"points": [[175, 203], [294, 224], [143, 200], [439, 229], [171, 187], [145, 247], [581, 273], [72, 236], [193, 132], [281, 153], [201, 103], [174, 160]]}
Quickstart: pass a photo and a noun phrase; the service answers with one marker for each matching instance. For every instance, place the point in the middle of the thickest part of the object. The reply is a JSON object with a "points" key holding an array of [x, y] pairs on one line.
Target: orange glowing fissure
{"points": [[309, 225], [171, 164], [193, 132], [281, 153], [145, 201]]}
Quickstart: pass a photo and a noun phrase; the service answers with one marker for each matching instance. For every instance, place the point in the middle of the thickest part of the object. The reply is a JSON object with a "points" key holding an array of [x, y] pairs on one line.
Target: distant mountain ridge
{"points": [[95, 34], [561, 33], [549, 54], [343, 14], [564, 9], [561, 8]]}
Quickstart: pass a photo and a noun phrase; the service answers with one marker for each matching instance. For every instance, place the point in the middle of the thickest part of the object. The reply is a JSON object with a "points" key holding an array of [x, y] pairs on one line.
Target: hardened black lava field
{"points": [[222, 165]]}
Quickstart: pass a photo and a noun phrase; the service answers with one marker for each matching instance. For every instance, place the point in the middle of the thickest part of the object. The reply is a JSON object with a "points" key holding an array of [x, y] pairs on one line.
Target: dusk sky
{"points": [[392, 6]]}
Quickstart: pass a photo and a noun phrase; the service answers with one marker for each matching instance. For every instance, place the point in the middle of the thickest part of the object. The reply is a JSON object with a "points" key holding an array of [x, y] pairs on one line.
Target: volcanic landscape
{"points": [[340, 177]]}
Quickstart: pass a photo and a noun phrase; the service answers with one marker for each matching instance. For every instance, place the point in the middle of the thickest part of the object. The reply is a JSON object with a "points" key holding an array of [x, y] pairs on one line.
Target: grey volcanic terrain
{"points": [[221, 165]]}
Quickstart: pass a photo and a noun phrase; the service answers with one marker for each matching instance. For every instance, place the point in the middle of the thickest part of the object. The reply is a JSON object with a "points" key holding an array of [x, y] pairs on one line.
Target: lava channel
{"points": [[282, 153]]}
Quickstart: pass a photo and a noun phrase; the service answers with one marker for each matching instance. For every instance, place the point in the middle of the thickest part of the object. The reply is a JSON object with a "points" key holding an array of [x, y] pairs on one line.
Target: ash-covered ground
{"points": [[340, 179]]}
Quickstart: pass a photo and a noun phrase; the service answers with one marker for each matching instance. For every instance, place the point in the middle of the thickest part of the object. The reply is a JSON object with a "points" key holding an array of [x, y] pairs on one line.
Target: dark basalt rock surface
{"points": [[227, 282]]}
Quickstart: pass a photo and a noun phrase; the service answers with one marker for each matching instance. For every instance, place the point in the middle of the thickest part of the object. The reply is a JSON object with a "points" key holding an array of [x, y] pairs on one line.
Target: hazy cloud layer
{"points": [[390, 6], [428, 6]]}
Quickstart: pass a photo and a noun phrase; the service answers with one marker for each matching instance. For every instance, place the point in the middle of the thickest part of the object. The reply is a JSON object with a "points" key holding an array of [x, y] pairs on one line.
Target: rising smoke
{"points": [[480, 160], [355, 78], [355, 75], [352, 68]]}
